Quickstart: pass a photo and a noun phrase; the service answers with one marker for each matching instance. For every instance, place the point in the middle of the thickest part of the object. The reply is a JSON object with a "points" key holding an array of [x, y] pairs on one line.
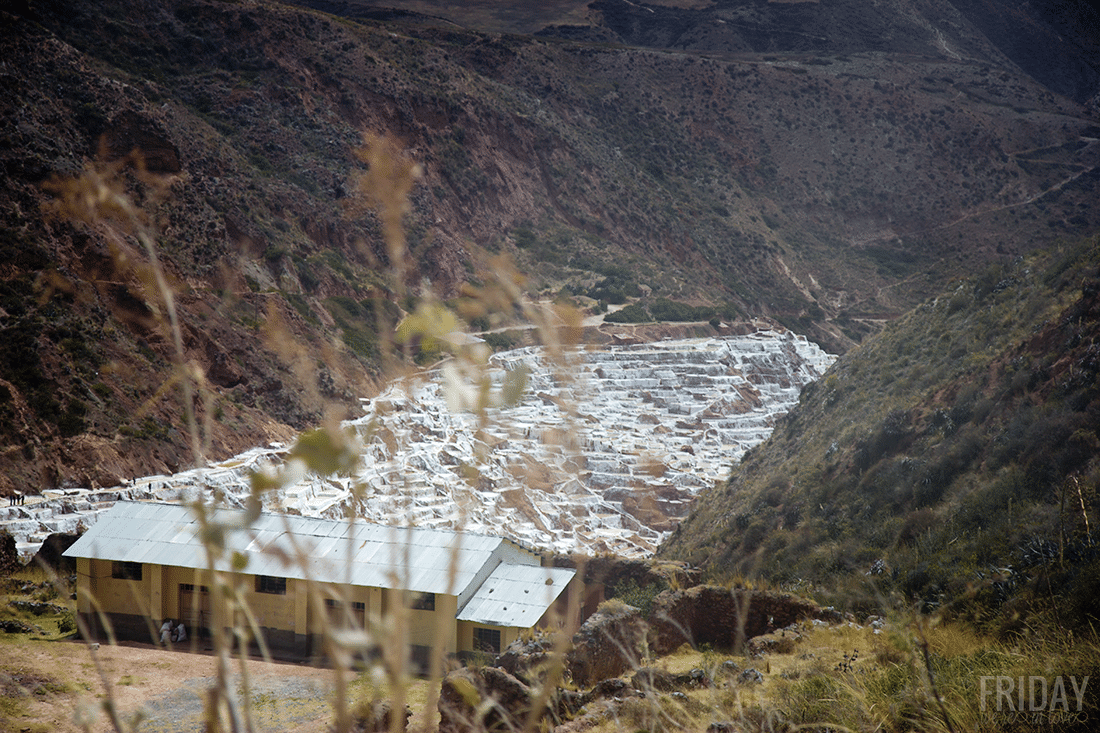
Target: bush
{"points": [[614, 289], [664, 309], [640, 597], [66, 624], [71, 422], [633, 313], [501, 341], [372, 308], [360, 342]]}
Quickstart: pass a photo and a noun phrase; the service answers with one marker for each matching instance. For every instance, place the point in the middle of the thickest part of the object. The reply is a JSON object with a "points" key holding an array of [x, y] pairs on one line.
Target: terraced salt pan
{"points": [[606, 457]]}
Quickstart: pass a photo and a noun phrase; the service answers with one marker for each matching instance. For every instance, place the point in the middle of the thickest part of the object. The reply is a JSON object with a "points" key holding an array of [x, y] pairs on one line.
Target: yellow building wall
{"points": [[424, 626], [371, 598], [133, 608], [273, 610], [155, 596], [115, 595], [465, 631], [508, 634], [85, 585], [173, 578]]}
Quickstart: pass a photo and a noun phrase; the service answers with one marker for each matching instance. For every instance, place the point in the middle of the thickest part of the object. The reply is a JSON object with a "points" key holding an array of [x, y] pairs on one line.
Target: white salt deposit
{"points": [[606, 456]]}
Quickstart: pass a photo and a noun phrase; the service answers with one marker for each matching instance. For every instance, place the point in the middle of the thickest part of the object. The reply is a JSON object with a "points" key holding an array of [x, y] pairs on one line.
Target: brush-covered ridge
{"points": [[951, 460]]}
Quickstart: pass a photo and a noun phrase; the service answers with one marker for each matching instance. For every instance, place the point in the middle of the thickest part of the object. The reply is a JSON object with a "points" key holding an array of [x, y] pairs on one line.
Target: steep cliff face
{"points": [[824, 191]]}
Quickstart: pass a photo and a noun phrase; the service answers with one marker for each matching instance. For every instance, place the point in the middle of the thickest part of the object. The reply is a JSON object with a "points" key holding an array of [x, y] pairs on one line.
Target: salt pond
{"points": [[605, 456]]}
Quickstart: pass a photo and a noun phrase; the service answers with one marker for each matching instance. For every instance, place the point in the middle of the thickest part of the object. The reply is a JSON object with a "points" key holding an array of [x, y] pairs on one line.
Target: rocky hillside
{"points": [[1053, 42], [825, 189], [951, 460]]}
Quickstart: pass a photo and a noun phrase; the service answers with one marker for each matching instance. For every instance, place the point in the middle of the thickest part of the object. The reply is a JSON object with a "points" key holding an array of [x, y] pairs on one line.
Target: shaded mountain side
{"points": [[1056, 42], [921, 27], [958, 450], [752, 171], [828, 193]]}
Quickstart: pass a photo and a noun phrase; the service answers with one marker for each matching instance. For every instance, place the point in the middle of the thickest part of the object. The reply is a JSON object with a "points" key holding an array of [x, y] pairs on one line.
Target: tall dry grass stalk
{"points": [[100, 199]]}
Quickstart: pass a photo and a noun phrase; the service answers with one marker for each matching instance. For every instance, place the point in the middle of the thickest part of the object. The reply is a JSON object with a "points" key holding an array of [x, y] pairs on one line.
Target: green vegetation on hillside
{"points": [[951, 462], [633, 313]]}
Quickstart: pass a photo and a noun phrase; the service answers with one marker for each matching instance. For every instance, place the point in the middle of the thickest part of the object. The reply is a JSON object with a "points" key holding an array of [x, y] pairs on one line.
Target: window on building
{"points": [[487, 640], [271, 584], [126, 570], [338, 612], [423, 602]]}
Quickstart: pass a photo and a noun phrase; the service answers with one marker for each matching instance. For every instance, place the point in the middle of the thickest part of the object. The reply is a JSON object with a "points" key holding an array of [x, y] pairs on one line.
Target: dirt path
{"points": [[58, 686]]}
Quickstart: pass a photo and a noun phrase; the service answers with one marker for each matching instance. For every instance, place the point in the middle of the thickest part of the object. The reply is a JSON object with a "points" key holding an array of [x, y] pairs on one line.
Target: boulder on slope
{"points": [[722, 617]]}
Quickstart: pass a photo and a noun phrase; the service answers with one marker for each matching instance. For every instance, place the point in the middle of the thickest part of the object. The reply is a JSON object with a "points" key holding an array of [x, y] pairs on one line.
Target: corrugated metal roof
{"points": [[516, 595], [415, 559]]}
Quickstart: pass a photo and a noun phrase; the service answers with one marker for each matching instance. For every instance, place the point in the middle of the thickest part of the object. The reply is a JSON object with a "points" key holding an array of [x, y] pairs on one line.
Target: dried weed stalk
{"points": [[99, 198]]}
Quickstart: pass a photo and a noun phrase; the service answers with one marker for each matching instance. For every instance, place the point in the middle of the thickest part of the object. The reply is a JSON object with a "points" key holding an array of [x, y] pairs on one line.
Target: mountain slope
{"points": [[826, 192], [960, 444], [1054, 42]]}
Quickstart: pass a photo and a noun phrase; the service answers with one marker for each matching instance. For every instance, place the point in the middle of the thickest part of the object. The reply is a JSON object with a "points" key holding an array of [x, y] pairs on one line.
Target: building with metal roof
{"points": [[142, 563]]}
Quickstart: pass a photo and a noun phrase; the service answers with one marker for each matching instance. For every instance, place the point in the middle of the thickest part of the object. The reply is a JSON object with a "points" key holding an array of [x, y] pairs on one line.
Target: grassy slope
{"points": [[958, 447], [862, 677]]}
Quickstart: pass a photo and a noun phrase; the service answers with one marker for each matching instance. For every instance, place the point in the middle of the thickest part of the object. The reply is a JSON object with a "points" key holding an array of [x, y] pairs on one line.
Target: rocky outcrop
{"points": [[50, 554], [611, 570], [527, 659], [782, 641], [612, 687], [609, 643], [649, 679], [721, 617], [465, 692], [14, 626], [9, 554], [603, 574]]}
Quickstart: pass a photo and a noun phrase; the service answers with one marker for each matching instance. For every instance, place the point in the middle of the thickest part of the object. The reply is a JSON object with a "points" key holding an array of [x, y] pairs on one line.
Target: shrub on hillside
{"points": [[640, 597], [502, 341], [615, 289], [633, 313], [664, 309]]}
